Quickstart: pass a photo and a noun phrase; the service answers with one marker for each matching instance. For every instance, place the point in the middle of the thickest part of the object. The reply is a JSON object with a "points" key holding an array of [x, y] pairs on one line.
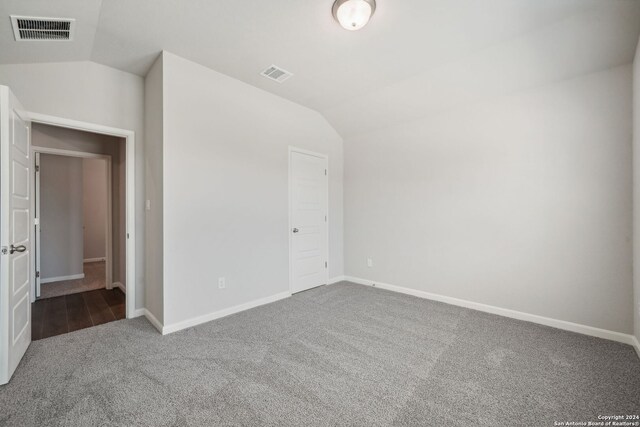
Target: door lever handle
{"points": [[20, 248], [295, 230]]}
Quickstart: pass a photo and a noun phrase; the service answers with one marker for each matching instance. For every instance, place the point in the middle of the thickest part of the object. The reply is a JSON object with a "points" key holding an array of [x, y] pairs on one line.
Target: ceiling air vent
{"points": [[276, 73], [42, 29]]}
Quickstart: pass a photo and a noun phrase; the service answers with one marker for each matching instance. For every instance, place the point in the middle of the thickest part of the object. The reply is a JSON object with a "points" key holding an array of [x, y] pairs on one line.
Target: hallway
{"points": [[94, 278]]}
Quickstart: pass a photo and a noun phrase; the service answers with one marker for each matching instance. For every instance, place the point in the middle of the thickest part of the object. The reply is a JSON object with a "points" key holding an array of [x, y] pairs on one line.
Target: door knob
{"points": [[295, 230], [20, 248]]}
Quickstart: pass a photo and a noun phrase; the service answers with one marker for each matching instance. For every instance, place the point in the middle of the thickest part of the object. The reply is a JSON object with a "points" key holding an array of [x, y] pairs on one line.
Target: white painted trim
{"points": [[119, 285], [636, 344], [4, 233], [534, 318], [130, 160], [61, 278], [335, 280], [68, 153], [139, 312], [222, 313], [79, 125], [89, 260], [308, 152], [152, 319], [292, 149]]}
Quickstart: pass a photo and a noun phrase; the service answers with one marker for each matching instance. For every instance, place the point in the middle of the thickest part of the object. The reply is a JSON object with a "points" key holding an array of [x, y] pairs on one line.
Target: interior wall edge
{"points": [[151, 318]]}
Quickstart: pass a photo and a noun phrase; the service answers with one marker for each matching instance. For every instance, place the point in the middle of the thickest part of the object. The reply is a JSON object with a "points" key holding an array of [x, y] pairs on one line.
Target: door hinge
{"points": [[36, 221], [37, 168], [37, 274]]}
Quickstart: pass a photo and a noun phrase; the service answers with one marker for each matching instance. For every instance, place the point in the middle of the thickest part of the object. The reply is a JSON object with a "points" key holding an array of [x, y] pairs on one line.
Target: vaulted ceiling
{"points": [[416, 57]]}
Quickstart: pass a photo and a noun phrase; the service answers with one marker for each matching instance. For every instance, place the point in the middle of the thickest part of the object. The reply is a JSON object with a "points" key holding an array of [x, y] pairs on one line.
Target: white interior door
{"points": [[308, 198], [15, 262]]}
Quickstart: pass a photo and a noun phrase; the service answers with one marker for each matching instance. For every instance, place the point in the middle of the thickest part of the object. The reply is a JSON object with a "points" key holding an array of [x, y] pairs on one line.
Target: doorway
{"points": [[17, 223], [308, 219], [80, 237], [73, 200]]}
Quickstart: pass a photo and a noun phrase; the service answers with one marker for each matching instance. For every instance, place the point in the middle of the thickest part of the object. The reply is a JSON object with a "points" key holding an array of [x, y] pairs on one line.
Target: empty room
{"points": [[320, 213]]}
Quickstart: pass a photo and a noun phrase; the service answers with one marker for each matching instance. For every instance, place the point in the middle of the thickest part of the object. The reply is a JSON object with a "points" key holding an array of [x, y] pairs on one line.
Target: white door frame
{"points": [[130, 203], [291, 150], [35, 207]]}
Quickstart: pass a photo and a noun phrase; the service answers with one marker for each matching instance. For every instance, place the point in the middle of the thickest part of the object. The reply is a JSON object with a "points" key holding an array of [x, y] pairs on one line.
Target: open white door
{"points": [[15, 262], [308, 198]]}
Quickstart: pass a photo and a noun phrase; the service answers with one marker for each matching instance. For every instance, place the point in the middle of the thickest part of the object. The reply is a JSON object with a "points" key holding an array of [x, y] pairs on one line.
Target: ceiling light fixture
{"points": [[353, 14]]}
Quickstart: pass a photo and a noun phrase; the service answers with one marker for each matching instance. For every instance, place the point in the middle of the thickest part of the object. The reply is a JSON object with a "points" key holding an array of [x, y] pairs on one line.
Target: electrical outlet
{"points": [[369, 262], [222, 283]]}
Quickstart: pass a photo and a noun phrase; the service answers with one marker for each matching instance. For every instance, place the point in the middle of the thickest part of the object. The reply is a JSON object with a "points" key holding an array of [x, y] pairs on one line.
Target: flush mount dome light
{"points": [[353, 14]]}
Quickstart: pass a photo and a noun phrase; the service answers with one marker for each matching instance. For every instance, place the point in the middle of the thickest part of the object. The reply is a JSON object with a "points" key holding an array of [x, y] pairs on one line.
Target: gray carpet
{"points": [[337, 355]]}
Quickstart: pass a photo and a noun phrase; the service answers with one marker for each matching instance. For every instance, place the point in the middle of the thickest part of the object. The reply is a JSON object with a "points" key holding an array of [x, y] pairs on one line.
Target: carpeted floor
{"points": [[94, 278], [336, 355]]}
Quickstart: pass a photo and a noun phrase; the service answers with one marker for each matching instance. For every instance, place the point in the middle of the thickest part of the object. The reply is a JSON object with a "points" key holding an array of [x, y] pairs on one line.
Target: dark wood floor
{"points": [[59, 315]]}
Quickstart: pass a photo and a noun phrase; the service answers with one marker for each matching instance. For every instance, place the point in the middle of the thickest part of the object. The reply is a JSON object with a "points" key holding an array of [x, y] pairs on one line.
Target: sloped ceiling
{"points": [[415, 58]]}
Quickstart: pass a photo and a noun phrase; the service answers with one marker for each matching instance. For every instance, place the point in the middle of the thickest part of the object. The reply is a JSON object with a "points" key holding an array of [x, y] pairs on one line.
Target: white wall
{"points": [[94, 208], [636, 192], [94, 93], [61, 216], [225, 187], [521, 202], [153, 123]]}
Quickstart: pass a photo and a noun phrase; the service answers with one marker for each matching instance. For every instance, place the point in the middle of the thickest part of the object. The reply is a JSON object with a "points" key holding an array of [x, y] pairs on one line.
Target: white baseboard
{"points": [[547, 321], [222, 313], [61, 278], [93, 260], [138, 312], [119, 285], [636, 344], [152, 319], [336, 280]]}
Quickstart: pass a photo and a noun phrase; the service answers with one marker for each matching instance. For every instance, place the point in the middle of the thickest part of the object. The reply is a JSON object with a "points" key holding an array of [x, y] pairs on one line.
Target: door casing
{"points": [[130, 160]]}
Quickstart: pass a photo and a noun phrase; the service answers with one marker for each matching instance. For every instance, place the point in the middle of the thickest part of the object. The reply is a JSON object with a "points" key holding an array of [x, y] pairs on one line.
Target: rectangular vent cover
{"points": [[42, 29], [276, 73]]}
